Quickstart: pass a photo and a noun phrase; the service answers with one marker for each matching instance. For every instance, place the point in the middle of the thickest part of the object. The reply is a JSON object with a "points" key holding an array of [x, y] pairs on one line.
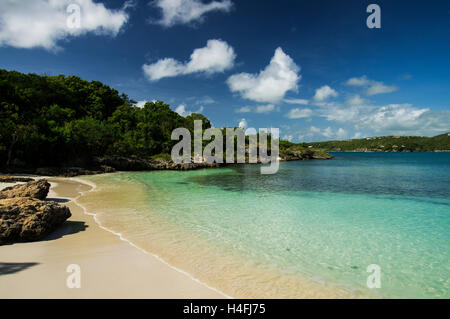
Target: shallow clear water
{"points": [[324, 220]]}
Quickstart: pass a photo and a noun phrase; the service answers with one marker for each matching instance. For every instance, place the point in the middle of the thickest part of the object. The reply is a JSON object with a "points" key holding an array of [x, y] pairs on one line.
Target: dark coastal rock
{"points": [[29, 219], [121, 163], [304, 154], [35, 189], [14, 179], [133, 164], [72, 171]]}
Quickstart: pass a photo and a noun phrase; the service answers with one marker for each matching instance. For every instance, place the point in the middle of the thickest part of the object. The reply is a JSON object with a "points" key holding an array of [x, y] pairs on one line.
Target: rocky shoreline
{"points": [[26, 215], [110, 164]]}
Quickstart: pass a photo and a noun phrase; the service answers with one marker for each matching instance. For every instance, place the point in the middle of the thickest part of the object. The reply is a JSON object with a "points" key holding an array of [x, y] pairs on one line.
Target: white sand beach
{"points": [[110, 267]]}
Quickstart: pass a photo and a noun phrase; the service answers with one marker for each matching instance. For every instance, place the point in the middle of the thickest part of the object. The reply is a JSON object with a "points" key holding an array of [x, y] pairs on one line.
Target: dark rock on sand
{"points": [[35, 189], [29, 219]]}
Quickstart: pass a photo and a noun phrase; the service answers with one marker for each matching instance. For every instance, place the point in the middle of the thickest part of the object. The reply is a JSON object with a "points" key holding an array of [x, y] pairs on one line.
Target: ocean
{"points": [[311, 230]]}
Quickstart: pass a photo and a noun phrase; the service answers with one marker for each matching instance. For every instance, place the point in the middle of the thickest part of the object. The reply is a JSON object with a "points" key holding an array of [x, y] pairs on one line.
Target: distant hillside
{"points": [[387, 144]]}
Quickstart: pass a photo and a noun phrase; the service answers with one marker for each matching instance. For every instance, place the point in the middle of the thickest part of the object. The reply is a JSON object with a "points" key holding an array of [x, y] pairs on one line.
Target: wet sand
{"points": [[110, 267]]}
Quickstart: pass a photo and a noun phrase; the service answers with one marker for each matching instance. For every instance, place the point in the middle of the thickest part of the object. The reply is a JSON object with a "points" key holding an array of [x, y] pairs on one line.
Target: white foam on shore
{"points": [[93, 188]]}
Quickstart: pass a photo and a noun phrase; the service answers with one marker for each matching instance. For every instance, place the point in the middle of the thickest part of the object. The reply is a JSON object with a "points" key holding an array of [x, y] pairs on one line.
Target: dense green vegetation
{"points": [[388, 144], [67, 121], [54, 120]]}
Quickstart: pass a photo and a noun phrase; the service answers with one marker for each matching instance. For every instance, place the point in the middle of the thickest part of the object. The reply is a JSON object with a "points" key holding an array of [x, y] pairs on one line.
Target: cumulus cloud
{"points": [[43, 23], [183, 111], [298, 113], [341, 133], [217, 56], [141, 104], [265, 108], [261, 109], [324, 92], [296, 101], [269, 85], [244, 109], [243, 124], [187, 11], [372, 87], [380, 88], [391, 119], [395, 118], [356, 100], [315, 132], [204, 100]]}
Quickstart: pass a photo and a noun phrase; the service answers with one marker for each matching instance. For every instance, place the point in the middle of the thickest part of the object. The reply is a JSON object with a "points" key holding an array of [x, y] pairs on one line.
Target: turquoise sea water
{"points": [[327, 220]]}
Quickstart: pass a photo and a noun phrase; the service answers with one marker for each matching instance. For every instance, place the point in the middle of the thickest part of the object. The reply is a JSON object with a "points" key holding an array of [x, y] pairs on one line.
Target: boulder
{"points": [[35, 189], [29, 219], [14, 179], [135, 164], [122, 163]]}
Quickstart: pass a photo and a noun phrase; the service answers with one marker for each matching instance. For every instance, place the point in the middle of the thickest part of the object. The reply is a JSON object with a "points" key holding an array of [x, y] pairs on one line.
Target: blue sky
{"points": [[312, 68]]}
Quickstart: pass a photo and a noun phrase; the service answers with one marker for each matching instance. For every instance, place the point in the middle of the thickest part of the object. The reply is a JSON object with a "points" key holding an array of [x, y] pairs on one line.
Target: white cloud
{"points": [[43, 23], [326, 132], [141, 104], [243, 124], [380, 88], [164, 68], [298, 113], [265, 108], [187, 11], [205, 100], [361, 81], [182, 110], [288, 138], [324, 92], [271, 84], [392, 119], [341, 133], [296, 101], [356, 100], [314, 130], [216, 57], [244, 109], [373, 87], [260, 109]]}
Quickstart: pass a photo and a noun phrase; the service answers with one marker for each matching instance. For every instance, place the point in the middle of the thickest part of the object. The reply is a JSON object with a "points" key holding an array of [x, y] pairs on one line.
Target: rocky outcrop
{"points": [[14, 179], [304, 154], [35, 189], [25, 215], [133, 164], [72, 171], [29, 219]]}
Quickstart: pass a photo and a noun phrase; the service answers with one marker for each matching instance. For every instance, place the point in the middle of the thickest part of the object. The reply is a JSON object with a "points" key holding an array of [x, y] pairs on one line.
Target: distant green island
{"points": [[439, 143]]}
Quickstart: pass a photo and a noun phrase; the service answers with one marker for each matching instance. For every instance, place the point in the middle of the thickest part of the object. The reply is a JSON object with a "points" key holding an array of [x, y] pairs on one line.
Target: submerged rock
{"points": [[29, 219], [35, 189]]}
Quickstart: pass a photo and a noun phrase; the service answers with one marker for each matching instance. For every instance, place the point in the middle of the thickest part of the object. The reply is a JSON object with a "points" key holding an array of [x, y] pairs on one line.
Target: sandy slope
{"points": [[110, 267]]}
